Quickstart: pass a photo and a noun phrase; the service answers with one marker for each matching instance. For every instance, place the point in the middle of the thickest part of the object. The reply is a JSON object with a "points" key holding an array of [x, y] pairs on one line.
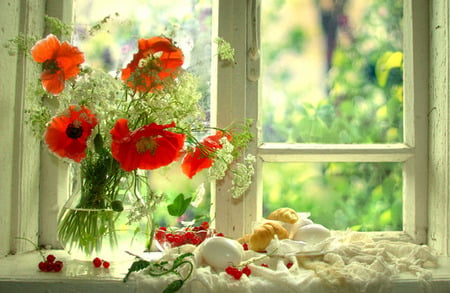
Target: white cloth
{"points": [[345, 262]]}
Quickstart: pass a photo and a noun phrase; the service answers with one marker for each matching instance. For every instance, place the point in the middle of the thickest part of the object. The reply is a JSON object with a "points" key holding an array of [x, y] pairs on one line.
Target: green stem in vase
{"points": [[84, 225]]}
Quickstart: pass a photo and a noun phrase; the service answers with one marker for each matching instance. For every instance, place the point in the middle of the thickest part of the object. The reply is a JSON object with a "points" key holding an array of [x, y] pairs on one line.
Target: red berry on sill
{"points": [[97, 262], [57, 266], [106, 264], [49, 267], [245, 246], [51, 258], [42, 266], [289, 265]]}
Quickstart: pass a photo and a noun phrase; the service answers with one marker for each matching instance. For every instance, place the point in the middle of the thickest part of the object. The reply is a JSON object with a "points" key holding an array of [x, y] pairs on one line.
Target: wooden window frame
{"points": [[238, 98]]}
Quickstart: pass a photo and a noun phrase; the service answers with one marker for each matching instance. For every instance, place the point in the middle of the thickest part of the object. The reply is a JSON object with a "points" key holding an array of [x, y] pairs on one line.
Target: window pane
{"points": [[360, 196], [332, 71], [188, 23]]}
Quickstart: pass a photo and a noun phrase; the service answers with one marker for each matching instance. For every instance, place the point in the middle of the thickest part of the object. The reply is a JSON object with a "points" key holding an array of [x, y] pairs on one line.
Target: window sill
{"points": [[19, 273]]}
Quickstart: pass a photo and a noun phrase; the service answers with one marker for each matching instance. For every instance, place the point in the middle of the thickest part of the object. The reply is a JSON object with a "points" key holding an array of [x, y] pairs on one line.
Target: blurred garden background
{"points": [[331, 74]]}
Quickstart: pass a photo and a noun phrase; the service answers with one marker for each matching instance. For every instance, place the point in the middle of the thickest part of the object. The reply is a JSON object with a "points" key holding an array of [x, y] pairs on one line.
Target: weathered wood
{"points": [[439, 157], [416, 93], [9, 28], [229, 103], [20, 149]]}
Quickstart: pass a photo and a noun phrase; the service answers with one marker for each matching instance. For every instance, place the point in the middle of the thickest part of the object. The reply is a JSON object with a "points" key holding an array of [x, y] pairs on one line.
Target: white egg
{"points": [[311, 234], [221, 252]]}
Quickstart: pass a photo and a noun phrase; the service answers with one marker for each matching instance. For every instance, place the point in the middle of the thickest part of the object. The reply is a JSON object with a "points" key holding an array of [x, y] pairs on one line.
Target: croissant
{"points": [[263, 234], [286, 215]]}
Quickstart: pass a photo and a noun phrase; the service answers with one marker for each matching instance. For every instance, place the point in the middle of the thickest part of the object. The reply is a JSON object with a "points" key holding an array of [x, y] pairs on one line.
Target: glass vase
{"points": [[95, 220]]}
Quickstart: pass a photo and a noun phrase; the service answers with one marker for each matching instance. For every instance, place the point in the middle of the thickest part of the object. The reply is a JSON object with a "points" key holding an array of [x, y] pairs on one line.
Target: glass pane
{"points": [[359, 196], [122, 23], [332, 71]]}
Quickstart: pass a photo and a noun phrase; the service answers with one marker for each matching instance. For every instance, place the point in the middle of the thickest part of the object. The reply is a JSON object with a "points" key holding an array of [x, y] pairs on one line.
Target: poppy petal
{"points": [[69, 58], [202, 156], [45, 49], [53, 82], [195, 162]]}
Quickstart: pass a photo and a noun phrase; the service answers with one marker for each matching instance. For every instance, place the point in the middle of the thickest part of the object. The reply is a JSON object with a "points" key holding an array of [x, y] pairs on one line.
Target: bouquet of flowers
{"points": [[118, 127]]}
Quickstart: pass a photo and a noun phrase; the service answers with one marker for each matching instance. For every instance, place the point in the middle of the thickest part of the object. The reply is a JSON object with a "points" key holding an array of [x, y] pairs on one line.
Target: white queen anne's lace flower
{"points": [[242, 176], [222, 160]]}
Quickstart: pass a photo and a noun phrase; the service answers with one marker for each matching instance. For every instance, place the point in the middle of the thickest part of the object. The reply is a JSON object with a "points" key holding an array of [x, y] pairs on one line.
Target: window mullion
{"points": [[232, 103], [278, 152], [415, 171]]}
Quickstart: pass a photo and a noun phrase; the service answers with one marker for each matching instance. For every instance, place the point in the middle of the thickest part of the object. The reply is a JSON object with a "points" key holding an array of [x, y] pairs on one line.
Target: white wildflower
{"points": [[223, 158], [242, 176], [224, 49]]}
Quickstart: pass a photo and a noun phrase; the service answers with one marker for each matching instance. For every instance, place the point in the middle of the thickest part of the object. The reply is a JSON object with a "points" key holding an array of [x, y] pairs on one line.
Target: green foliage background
{"points": [[363, 104]]}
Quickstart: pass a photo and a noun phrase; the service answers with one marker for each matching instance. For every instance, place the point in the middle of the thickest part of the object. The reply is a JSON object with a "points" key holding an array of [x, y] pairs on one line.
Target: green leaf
{"points": [[174, 286], [135, 267], [179, 205], [98, 143]]}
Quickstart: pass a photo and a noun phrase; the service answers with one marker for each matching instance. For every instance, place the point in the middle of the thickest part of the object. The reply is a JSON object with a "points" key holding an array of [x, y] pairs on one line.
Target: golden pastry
{"points": [[262, 235], [286, 215]]}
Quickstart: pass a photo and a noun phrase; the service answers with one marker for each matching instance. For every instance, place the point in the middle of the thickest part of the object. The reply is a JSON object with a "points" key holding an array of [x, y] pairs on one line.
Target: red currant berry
{"points": [[57, 266], [237, 275], [246, 271], [51, 258], [265, 265], [289, 265], [234, 272], [97, 262], [245, 246], [106, 264], [42, 266], [49, 266]]}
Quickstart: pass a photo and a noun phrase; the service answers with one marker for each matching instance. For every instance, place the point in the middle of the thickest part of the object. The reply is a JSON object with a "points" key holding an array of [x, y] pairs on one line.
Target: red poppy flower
{"points": [[60, 62], [67, 133], [202, 156], [148, 147], [157, 59]]}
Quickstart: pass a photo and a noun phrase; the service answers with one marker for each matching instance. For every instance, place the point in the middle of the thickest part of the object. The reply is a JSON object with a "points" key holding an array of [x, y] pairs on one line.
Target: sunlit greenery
{"points": [[359, 100]]}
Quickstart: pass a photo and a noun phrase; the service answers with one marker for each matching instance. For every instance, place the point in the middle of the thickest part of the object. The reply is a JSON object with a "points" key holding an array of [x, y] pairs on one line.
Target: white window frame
{"points": [[427, 75], [238, 98]]}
